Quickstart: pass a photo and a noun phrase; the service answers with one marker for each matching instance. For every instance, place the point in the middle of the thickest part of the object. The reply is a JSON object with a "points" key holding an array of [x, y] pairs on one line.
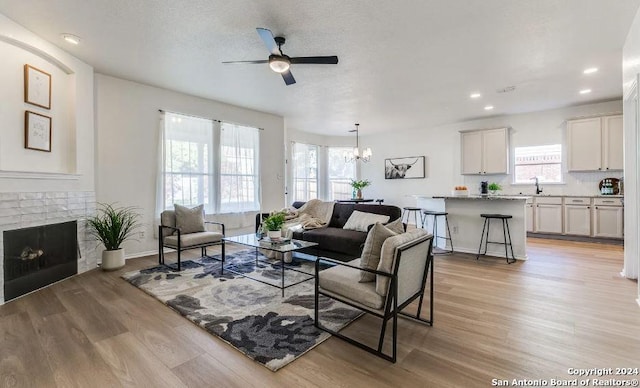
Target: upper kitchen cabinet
{"points": [[485, 151], [595, 144], [612, 143]]}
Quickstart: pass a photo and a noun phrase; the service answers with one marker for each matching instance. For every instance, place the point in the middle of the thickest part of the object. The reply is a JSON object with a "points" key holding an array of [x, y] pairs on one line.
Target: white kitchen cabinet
{"points": [[485, 152], [600, 216], [608, 221], [529, 216], [612, 143], [595, 144], [577, 216], [548, 215], [471, 152]]}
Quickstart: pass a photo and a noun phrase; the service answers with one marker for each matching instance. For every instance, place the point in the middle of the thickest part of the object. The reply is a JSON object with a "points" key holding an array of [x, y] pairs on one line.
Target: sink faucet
{"points": [[538, 188]]}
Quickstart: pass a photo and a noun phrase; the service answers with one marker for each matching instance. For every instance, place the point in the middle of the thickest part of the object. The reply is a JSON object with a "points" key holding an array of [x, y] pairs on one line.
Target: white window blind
{"points": [[544, 162], [210, 163], [339, 173], [305, 171]]}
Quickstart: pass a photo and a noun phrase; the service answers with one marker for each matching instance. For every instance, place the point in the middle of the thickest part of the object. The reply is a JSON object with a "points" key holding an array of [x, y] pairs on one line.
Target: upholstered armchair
{"points": [[183, 229], [400, 278]]}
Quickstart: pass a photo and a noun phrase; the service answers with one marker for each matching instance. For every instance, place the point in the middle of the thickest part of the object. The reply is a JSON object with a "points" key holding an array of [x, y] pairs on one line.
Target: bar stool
{"points": [[435, 215], [415, 211], [505, 231]]}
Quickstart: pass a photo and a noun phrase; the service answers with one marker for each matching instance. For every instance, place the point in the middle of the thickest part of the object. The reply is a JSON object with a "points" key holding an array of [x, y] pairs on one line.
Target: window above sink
{"points": [[543, 162]]}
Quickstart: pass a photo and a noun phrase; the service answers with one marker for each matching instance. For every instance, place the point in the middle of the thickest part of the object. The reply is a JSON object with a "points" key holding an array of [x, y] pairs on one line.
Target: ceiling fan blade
{"points": [[288, 78], [257, 61], [267, 38], [331, 60]]}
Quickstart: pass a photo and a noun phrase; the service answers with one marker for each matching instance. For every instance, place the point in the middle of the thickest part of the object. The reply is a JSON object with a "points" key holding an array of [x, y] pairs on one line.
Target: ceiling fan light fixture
{"points": [[279, 64]]}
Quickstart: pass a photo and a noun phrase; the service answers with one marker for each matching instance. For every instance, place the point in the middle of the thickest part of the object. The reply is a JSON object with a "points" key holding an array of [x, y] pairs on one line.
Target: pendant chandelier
{"points": [[356, 154]]}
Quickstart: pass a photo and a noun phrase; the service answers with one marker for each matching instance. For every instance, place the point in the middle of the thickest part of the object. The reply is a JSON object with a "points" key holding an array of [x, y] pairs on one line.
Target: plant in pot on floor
{"points": [[272, 225], [494, 188], [112, 226], [358, 186]]}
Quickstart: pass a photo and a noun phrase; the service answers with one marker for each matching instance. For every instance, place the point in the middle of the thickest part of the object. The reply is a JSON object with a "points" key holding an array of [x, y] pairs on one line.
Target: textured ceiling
{"points": [[403, 64]]}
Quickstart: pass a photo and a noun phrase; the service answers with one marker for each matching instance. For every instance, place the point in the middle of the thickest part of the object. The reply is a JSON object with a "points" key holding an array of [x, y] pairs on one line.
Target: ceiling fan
{"points": [[279, 62]]}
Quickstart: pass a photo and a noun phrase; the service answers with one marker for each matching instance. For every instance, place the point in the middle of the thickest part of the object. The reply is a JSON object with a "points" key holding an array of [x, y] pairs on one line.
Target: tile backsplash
{"points": [[576, 183]]}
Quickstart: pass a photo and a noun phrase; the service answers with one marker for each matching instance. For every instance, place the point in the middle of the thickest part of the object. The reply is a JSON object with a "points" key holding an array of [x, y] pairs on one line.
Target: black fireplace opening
{"points": [[38, 256]]}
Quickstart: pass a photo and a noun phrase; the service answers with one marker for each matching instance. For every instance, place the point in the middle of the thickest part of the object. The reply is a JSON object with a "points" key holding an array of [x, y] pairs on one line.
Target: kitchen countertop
{"points": [[565, 195], [516, 196], [484, 197]]}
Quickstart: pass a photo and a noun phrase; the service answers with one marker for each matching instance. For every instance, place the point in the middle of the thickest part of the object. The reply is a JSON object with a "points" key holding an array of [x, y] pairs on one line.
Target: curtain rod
{"points": [[205, 118]]}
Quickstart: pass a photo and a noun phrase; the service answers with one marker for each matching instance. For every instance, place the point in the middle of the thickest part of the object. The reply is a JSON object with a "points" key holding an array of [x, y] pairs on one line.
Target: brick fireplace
{"points": [[26, 210]]}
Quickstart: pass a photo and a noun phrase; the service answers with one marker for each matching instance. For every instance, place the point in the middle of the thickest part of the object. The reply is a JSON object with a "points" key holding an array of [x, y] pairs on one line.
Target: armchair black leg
{"points": [[223, 257], [178, 261], [160, 245], [395, 337], [382, 333], [316, 295]]}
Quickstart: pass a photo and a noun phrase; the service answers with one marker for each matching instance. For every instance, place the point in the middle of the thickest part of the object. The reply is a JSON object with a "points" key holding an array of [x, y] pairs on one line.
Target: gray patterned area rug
{"points": [[252, 317]]}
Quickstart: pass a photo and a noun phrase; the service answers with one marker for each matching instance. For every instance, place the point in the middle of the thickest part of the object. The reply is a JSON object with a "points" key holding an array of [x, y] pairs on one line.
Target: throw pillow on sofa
{"points": [[360, 221], [396, 226], [371, 252], [190, 220]]}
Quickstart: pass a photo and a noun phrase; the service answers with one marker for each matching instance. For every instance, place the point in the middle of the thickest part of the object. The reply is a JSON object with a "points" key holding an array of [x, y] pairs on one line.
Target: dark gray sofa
{"points": [[341, 244]]}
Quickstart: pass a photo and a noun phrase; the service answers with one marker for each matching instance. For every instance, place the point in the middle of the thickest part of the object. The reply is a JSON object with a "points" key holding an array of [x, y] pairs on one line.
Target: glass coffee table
{"points": [[281, 248]]}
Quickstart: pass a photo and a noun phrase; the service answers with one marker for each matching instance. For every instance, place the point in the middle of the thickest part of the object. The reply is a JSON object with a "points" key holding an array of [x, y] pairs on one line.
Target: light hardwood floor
{"points": [[566, 307]]}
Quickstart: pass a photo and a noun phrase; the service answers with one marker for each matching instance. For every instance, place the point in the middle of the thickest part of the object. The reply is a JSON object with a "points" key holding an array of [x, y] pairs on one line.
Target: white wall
{"points": [[38, 188], [441, 146], [127, 120], [70, 165], [630, 70]]}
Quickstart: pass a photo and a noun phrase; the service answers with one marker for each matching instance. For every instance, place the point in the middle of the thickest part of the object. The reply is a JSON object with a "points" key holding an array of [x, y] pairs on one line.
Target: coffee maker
{"points": [[484, 188]]}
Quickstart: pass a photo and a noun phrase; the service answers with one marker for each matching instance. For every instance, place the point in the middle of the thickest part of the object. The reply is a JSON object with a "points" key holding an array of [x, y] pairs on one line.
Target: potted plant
{"points": [[273, 224], [494, 187], [112, 226], [358, 186]]}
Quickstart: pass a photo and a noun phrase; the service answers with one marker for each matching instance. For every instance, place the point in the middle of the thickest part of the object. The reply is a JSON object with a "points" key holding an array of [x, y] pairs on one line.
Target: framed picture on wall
{"points": [[411, 167], [37, 87], [37, 131]]}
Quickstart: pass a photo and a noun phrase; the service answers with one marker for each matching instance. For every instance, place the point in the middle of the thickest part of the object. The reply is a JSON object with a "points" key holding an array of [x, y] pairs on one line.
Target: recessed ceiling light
{"points": [[475, 95], [488, 107], [585, 91], [70, 38], [590, 70]]}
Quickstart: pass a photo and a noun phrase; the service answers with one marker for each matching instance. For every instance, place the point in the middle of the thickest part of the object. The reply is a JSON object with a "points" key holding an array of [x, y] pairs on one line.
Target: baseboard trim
{"points": [[496, 254], [145, 253], [567, 237], [148, 253]]}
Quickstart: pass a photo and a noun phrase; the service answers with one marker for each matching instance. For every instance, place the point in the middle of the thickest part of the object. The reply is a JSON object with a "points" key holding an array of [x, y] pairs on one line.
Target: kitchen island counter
{"points": [[466, 224]]}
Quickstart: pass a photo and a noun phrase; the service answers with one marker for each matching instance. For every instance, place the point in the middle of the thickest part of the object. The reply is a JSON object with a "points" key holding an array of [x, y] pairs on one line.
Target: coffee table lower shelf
{"points": [[281, 249]]}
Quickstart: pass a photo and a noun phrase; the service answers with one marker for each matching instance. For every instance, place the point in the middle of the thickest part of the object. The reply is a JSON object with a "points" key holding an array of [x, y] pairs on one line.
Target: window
{"points": [[188, 155], [339, 173], [305, 171], [210, 163], [544, 162], [239, 175]]}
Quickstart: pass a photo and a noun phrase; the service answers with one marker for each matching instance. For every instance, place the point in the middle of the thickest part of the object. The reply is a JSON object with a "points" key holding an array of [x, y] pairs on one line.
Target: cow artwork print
{"points": [[404, 168]]}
